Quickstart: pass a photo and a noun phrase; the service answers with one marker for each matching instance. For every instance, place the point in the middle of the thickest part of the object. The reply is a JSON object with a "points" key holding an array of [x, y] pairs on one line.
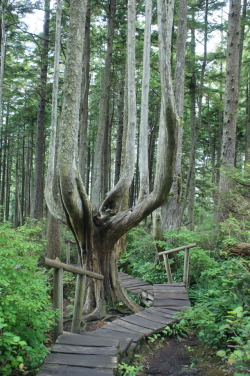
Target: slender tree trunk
{"points": [[83, 136], [40, 135], [143, 137], [3, 6], [8, 182], [3, 188], [53, 225], [171, 211], [53, 246], [231, 101], [97, 193], [119, 135]]}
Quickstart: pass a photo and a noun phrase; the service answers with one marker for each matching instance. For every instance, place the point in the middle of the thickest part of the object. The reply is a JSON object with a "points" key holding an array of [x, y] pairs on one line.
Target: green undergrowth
{"points": [[26, 315], [219, 285]]}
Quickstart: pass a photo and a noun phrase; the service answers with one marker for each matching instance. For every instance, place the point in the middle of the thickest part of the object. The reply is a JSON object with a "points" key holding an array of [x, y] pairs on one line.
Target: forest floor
{"points": [[170, 357], [187, 357]]}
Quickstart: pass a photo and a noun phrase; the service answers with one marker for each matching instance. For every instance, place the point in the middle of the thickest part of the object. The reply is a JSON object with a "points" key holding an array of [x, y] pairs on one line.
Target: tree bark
{"points": [[143, 138], [97, 192], [2, 60], [37, 212], [171, 211], [83, 134], [231, 99]]}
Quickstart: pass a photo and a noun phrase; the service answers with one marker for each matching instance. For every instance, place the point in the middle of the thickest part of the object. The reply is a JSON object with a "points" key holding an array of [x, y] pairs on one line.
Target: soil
{"points": [[185, 358]]}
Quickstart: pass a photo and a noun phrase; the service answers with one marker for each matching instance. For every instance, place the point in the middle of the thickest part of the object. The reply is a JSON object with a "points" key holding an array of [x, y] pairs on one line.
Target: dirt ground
{"points": [[186, 358]]}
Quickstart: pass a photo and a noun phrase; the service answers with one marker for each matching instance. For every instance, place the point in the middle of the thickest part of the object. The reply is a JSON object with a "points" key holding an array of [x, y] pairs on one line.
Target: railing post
{"points": [[58, 299], [78, 304], [186, 267], [168, 269], [67, 252]]}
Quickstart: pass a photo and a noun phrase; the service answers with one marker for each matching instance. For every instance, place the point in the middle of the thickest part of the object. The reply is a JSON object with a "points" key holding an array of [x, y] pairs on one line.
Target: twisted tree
{"points": [[98, 227]]}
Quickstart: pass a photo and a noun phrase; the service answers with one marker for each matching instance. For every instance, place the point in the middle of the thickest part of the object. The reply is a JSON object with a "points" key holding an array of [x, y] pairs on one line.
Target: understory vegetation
{"points": [[26, 315], [219, 286]]}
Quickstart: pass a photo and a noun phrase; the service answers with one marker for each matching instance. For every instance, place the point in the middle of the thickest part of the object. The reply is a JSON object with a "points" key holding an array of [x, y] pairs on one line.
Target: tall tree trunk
{"points": [[231, 100], [53, 246], [119, 136], [37, 212], [143, 137], [2, 59], [83, 134], [8, 182], [97, 192], [53, 225], [171, 211]]}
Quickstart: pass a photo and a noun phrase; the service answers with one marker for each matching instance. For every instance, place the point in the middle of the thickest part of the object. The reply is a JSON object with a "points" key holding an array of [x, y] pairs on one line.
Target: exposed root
{"points": [[98, 314]]}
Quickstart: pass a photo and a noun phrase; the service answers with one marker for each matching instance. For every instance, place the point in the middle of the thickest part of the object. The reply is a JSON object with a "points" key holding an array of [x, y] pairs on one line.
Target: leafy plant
{"points": [[125, 369], [26, 315]]}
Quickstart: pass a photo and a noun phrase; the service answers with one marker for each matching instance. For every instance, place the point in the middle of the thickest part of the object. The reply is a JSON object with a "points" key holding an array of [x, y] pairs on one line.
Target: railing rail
{"points": [[165, 254], [80, 291]]}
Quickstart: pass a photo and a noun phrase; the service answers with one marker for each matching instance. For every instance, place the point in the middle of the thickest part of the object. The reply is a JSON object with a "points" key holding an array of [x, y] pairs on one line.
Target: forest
{"points": [[124, 132]]}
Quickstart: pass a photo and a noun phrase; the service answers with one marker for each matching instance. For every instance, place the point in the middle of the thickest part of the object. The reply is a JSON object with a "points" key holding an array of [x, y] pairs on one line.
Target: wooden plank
{"points": [[170, 303], [62, 370], [123, 339], [136, 328], [171, 296], [119, 328], [143, 322], [70, 349], [86, 340], [91, 361], [169, 285], [135, 282], [171, 311], [119, 334], [162, 312], [155, 317]]}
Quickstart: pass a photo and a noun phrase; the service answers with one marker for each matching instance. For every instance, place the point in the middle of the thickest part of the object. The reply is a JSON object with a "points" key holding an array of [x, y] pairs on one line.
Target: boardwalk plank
{"points": [[62, 370], [171, 295], [143, 322], [86, 339], [171, 303], [90, 361], [70, 349], [134, 327], [153, 316]]}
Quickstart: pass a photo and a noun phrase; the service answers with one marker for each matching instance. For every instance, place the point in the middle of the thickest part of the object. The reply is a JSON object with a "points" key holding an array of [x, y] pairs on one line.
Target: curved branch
{"points": [[115, 197]]}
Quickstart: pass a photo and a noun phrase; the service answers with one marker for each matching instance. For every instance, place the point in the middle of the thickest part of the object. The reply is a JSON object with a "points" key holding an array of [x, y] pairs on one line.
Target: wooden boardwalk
{"points": [[96, 353]]}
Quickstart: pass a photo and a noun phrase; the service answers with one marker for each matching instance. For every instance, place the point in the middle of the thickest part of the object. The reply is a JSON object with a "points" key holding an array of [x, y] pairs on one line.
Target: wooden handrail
{"points": [[177, 249], [186, 262], [79, 293], [70, 268]]}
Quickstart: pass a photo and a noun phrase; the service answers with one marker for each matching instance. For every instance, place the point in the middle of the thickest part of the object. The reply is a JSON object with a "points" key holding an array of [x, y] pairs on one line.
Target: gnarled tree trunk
{"points": [[97, 230]]}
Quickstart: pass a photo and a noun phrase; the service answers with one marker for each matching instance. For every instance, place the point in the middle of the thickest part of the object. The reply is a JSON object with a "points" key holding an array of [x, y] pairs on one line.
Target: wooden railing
{"points": [[79, 292], [186, 262]]}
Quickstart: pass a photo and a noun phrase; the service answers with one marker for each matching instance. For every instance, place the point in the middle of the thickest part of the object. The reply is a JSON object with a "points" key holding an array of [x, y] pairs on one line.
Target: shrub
{"points": [[221, 314], [26, 314]]}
